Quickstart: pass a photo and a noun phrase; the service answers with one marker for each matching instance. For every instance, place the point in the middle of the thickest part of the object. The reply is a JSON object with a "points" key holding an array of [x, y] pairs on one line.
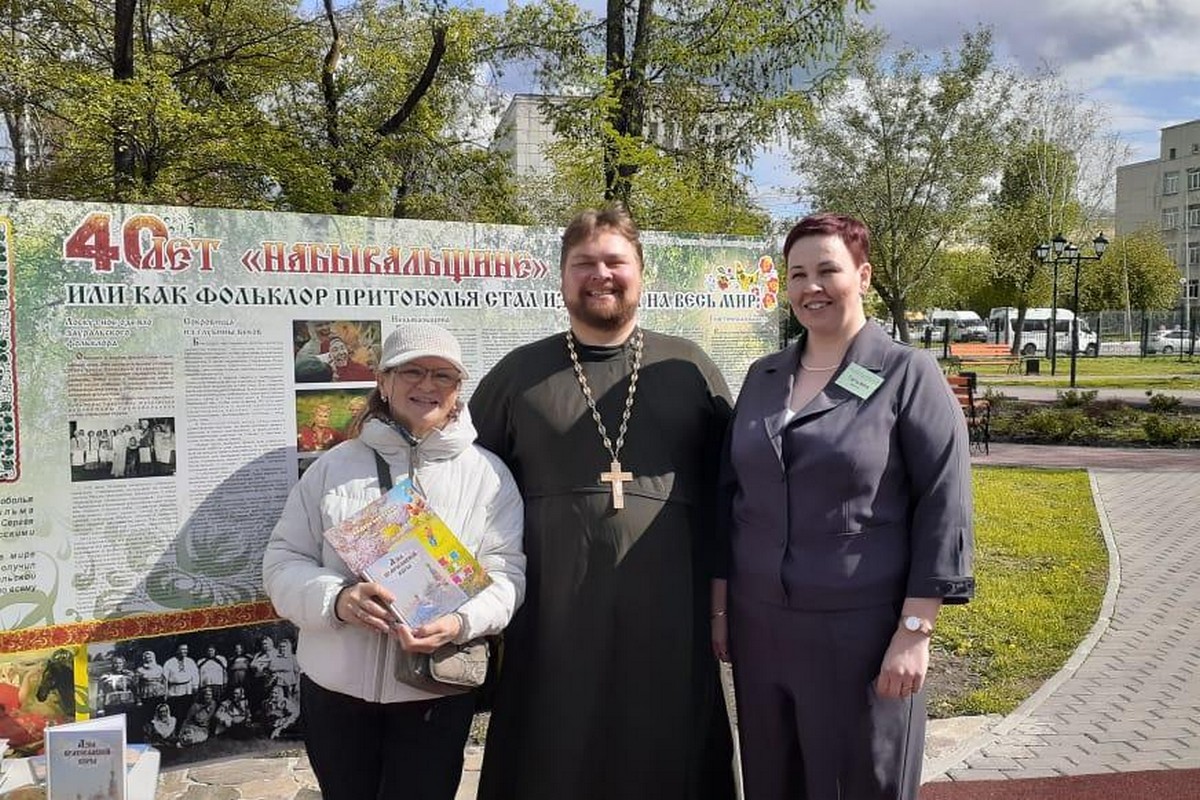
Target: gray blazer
{"points": [[856, 501]]}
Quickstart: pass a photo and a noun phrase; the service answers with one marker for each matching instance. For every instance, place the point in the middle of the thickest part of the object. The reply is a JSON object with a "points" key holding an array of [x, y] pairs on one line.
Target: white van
{"points": [[1037, 323], [965, 326]]}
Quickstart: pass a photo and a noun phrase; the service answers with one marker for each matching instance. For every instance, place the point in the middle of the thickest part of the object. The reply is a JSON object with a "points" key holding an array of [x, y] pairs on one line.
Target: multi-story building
{"points": [[1164, 193], [524, 133]]}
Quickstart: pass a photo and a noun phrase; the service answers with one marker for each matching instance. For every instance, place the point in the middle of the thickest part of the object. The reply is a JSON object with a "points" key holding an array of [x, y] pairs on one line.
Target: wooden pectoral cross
{"points": [[617, 478]]}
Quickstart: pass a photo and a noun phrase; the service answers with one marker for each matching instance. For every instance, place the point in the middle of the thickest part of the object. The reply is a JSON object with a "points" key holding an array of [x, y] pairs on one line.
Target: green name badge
{"points": [[859, 381]]}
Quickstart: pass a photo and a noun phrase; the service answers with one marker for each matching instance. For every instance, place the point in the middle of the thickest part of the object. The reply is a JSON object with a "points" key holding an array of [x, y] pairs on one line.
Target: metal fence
{"points": [[1119, 333], [1145, 333]]}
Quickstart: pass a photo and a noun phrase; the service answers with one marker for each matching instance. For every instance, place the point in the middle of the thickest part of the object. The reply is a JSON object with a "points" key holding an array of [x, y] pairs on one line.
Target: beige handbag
{"points": [[451, 669]]}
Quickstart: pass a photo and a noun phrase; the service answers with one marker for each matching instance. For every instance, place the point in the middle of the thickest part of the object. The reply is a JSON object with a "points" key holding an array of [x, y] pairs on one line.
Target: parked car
{"points": [[1172, 341]]}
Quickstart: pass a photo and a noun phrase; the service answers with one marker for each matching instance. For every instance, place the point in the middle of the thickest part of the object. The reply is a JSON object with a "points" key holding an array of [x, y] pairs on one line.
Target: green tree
{"points": [[356, 109], [1035, 202], [1136, 272], [19, 90], [961, 279], [704, 81], [1057, 180], [666, 193], [394, 86], [907, 151], [131, 101]]}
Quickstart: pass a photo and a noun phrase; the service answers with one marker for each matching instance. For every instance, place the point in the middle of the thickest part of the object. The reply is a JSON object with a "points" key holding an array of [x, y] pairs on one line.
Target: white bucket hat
{"points": [[413, 340]]}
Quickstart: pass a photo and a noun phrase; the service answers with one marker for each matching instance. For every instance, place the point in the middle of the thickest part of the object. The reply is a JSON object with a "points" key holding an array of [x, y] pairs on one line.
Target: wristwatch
{"points": [[914, 624]]}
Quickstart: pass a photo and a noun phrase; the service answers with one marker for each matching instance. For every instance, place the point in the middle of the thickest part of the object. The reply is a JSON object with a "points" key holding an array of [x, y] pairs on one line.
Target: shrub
{"points": [[998, 400], [1111, 413], [1099, 422], [1164, 403], [1162, 430], [1057, 425], [1075, 399]]}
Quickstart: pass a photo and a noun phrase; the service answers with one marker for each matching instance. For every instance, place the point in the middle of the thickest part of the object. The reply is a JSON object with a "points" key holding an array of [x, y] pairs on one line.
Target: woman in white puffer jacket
{"points": [[368, 735]]}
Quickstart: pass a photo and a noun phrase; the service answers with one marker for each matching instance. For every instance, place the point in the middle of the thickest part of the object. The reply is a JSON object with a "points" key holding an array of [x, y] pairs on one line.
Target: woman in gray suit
{"points": [[846, 494]]}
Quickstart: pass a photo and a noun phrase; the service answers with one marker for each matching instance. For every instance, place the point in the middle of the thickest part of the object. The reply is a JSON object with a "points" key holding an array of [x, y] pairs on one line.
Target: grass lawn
{"points": [[1161, 373], [1040, 569]]}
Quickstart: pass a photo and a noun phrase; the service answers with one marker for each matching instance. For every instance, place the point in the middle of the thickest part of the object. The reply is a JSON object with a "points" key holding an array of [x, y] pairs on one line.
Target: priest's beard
{"points": [[610, 318]]}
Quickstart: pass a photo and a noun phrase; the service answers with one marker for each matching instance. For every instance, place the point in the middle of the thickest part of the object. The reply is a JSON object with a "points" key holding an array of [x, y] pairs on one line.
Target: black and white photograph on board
{"points": [[113, 448], [202, 695]]}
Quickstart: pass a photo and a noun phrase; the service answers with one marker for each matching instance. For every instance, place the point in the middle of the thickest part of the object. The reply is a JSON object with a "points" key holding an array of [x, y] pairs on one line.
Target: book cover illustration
{"points": [[86, 760], [400, 542]]}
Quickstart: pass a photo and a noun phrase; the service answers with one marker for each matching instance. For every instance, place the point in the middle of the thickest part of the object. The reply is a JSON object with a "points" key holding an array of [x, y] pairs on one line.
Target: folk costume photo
{"points": [[608, 687]]}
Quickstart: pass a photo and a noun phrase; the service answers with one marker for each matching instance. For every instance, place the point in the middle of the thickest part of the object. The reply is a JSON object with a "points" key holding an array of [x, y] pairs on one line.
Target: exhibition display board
{"points": [[165, 376]]}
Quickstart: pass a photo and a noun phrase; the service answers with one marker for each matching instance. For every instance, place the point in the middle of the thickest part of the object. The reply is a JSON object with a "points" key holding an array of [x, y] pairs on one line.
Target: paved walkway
{"points": [[1127, 700], [1071, 456]]}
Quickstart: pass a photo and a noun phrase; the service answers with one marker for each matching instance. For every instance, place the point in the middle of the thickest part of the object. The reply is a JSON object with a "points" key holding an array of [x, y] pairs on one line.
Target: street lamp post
{"points": [[1064, 251], [1043, 252]]}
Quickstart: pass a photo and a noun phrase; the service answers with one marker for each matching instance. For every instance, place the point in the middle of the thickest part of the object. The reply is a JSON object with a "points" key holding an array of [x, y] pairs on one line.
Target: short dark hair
{"points": [[587, 224], [851, 230]]}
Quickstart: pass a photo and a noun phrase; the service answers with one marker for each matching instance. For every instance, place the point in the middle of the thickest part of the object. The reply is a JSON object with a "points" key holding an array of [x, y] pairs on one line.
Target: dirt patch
{"points": [[950, 679]]}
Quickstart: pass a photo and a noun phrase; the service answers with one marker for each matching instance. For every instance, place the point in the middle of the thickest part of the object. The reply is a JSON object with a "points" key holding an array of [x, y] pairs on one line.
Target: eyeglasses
{"points": [[442, 378]]}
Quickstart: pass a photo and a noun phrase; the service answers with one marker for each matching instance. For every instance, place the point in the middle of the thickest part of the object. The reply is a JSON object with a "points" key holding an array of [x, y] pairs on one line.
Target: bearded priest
{"points": [[608, 687]]}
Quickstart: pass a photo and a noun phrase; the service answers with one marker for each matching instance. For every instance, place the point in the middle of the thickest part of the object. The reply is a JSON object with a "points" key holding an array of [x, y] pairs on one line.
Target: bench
{"points": [[979, 353], [977, 412]]}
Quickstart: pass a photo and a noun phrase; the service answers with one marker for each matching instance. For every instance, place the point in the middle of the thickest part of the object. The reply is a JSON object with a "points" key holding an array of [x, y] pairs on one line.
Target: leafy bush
{"points": [[1080, 418], [1162, 430], [997, 399], [1073, 399], [1059, 425], [1164, 403], [1111, 413]]}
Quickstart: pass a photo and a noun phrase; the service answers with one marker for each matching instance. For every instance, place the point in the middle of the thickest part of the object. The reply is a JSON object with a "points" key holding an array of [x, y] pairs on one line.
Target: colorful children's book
{"points": [[399, 542], [86, 759]]}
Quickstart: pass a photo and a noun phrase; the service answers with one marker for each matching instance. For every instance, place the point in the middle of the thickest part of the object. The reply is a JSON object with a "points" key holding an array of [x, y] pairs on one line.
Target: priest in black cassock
{"points": [[608, 687]]}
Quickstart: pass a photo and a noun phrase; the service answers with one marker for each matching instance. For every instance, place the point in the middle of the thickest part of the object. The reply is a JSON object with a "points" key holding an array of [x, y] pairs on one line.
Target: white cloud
{"points": [[1136, 58], [1091, 40]]}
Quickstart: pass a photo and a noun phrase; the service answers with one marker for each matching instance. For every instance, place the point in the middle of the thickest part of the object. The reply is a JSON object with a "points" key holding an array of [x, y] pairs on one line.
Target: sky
{"points": [[1138, 59]]}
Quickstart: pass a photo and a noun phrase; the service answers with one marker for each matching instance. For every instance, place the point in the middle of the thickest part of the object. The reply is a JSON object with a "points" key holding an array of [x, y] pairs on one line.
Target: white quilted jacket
{"points": [[467, 486]]}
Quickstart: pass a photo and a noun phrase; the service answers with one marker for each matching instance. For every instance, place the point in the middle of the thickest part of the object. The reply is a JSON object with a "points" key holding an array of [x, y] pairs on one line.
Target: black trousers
{"points": [[810, 723], [361, 750]]}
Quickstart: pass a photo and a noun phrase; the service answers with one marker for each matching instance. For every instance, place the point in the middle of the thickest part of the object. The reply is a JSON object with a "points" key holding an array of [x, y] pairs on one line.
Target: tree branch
{"points": [[393, 123], [333, 57], [232, 52]]}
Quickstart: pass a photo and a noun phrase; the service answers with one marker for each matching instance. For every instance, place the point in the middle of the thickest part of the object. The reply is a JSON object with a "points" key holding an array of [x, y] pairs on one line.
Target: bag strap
{"points": [[385, 473]]}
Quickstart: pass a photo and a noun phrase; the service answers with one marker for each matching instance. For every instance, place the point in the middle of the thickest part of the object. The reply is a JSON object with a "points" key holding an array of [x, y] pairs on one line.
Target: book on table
{"points": [[27, 777], [86, 759], [399, 542]]}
